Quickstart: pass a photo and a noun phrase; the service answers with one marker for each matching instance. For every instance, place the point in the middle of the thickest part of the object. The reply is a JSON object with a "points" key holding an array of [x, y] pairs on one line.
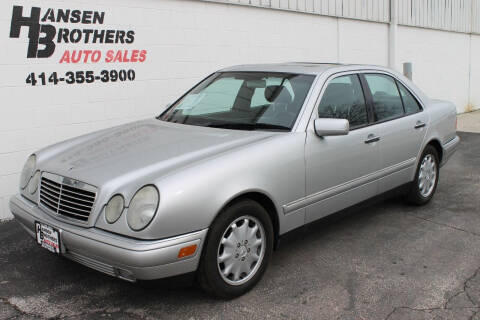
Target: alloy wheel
{"points": [[241, 250], [427, 175]]}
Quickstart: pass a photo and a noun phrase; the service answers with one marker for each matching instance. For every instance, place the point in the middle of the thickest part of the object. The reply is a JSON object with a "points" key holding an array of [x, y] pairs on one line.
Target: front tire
{"points": [[237, 250], [426, 178]]}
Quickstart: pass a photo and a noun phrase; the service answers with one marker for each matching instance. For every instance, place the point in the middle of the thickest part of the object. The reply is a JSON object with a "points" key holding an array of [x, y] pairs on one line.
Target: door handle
{"points": [[372, 138], [420, 124]]}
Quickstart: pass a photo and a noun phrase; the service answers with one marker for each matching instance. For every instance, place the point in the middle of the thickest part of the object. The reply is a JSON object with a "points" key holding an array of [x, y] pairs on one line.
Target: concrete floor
{"points": [[469, 122], [384, 260]]}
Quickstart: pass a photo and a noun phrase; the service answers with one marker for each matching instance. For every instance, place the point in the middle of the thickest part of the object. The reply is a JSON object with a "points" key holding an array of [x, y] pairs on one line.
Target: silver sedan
{"points": [[245, 156]]}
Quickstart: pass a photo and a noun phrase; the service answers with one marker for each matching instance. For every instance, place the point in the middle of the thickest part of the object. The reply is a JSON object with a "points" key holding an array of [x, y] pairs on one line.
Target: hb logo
{"points": [[35, 29]]}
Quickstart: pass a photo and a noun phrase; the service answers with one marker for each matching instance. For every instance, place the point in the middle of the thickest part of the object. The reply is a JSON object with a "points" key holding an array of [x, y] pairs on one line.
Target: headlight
{"points": [[114, 208], [142, 208], [33, 184], [27, 171]]}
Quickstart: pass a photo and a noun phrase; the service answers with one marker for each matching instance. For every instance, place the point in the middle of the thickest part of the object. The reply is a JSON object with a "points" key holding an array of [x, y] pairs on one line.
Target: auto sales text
{"points": [[44, 37]]}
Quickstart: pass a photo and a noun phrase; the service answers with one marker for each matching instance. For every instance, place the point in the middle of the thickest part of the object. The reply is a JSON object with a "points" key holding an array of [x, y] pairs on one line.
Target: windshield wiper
{"points": [[249, 126]]}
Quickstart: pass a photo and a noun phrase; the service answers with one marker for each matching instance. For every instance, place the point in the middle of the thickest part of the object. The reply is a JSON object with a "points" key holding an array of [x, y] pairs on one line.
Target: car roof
{"points": [[300, 67]]}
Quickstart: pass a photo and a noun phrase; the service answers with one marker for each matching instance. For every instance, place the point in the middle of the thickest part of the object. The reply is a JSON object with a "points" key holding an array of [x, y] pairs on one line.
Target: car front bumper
{"points": [[125, 258]]}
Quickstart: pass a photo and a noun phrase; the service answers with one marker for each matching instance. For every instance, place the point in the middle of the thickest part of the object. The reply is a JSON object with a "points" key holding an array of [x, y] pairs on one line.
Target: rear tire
{"points": [[237, 250], [423, 187]]}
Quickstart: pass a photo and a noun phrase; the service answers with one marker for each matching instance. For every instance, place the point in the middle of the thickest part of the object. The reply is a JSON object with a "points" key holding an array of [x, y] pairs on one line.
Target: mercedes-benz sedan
{"points": [[245, 156]]}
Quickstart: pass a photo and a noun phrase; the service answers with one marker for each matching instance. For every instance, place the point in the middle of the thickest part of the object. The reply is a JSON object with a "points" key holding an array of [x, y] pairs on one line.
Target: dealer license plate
{"points": [[48, 237]]}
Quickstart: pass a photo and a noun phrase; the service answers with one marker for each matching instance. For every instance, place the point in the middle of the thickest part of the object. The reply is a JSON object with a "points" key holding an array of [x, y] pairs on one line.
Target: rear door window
{"points": [[387, 103]]}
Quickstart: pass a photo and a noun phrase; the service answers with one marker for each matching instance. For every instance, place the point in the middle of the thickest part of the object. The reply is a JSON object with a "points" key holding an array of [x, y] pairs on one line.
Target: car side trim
{"points": [[344, 187]]}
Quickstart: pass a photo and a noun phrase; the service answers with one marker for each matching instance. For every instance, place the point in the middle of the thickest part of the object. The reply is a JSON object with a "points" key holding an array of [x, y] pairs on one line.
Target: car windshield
{"points": [[243, 101]]}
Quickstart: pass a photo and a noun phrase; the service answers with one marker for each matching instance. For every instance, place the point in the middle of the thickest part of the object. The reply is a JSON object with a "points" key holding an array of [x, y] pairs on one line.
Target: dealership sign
{"points": [[42, 31], [49, 28]]}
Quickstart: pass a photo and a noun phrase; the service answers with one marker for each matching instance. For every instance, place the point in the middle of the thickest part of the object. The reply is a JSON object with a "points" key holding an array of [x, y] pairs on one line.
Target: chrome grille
{"points": [[67, 200]]}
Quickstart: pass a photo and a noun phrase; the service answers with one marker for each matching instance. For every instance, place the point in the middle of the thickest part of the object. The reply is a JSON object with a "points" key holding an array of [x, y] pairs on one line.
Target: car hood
{"points": [[139, 150]]}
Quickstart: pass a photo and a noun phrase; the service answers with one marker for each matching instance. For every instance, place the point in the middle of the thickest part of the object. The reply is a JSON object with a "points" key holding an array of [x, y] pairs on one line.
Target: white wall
{"points": [[185, 41], [440, 62], [475, 71], [362, 42]]}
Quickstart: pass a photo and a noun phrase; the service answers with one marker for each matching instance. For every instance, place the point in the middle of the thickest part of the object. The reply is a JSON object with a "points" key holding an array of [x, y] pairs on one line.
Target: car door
{"points": [[401, 123], [339, 168]]}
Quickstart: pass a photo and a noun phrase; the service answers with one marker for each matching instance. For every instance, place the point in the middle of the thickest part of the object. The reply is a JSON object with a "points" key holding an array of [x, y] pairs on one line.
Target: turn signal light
{"points": [[187, 251]]}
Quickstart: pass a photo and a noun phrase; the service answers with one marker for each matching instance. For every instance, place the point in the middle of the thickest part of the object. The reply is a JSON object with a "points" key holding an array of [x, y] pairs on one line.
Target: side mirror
{"points": [[331, 127]]}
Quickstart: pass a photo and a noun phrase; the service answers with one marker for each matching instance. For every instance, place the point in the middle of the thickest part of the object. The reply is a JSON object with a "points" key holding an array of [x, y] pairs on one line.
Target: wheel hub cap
{"points": [[427, 176], [241, 250]]}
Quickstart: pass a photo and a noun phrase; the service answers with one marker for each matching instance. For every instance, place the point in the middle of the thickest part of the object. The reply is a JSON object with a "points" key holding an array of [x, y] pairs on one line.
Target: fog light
{"points": [[187, 251]]}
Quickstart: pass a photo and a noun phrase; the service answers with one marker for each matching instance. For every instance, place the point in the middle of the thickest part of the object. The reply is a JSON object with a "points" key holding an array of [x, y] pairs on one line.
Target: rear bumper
{"points": [[118, 256], [449, 149]]}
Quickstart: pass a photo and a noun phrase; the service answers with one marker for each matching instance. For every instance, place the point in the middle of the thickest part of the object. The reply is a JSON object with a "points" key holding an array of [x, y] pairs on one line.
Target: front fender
{"points": [[192, 197]]}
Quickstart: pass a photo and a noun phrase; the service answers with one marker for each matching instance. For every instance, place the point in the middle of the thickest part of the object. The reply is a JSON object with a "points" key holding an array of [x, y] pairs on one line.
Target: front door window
{"points": [[343, 99]]}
